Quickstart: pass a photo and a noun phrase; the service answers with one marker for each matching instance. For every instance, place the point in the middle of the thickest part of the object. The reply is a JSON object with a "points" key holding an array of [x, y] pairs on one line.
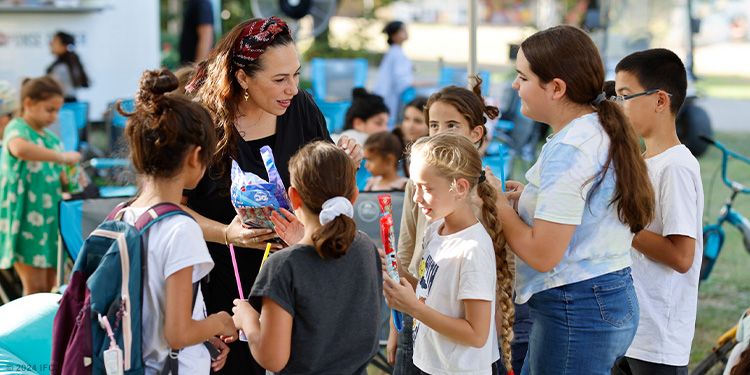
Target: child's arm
{"points": [[392, 345], [675, 251], [25, 150], [269, 334], [180, 329], [472, 330]]}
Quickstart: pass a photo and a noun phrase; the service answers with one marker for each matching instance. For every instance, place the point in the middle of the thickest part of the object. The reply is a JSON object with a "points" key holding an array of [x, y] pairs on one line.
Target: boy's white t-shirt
{"points": [[173, 243], [668, 299], [457, 267]]}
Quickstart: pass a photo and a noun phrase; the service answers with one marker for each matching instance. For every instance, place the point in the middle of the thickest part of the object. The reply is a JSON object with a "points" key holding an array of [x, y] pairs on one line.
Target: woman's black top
{"points": [[300, 124]]}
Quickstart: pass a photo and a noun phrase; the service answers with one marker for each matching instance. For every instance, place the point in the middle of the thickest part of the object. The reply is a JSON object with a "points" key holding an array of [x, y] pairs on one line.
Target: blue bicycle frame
{"points": [[713, 234]]}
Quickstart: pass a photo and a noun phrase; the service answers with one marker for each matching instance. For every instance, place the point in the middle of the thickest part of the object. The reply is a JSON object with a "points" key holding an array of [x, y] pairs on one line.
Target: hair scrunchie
{"points": [[334, 207], [599, 98], [255, 38], [482, 177]]}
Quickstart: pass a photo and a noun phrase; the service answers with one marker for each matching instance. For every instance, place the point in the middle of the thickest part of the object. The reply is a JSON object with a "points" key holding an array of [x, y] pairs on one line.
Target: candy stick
{"points": [[239, 284], [265, 255], [388, 237]]}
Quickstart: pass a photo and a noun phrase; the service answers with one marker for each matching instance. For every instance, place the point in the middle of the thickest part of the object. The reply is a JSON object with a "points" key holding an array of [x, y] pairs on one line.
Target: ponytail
{"points": [[634, 195], [494, 228], [333, 239]]}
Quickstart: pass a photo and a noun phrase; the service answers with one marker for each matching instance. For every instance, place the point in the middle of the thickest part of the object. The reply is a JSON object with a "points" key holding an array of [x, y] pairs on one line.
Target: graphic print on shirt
{"points": [[425, 283]]}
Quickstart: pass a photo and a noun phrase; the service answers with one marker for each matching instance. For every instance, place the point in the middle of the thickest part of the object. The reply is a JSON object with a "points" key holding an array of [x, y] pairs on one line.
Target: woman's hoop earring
{"points": [[246, 95]]}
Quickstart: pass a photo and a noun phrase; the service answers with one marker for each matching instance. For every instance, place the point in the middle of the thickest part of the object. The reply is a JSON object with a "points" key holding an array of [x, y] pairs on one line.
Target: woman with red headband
{"points": [[249, 83]]}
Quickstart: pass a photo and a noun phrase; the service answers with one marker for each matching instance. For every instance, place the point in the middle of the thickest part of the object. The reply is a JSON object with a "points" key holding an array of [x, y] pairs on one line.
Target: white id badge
{"points": [[113, 361]]}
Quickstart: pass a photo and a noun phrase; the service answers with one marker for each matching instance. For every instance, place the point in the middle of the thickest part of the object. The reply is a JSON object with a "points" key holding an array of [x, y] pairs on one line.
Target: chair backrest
{"points": [[81, 112], [68, 129], [367, 213], [115, 118], [333, 79], [459, 77], [78, 218]]}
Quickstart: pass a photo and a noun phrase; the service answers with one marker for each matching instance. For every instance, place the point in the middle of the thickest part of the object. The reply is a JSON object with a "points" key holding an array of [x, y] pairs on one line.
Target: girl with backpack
{"points": [[172, 140], [315, 306]]}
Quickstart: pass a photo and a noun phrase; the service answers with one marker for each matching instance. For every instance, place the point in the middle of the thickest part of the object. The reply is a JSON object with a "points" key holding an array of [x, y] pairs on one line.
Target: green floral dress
{"points": [[29, 194]]}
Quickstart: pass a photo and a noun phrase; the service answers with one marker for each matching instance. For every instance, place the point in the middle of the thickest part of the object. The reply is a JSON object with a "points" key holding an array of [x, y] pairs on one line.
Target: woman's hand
{"points": [[221, 359], [353, 149], [513, 189], [254, 238], [288, 228], [399, 296]]}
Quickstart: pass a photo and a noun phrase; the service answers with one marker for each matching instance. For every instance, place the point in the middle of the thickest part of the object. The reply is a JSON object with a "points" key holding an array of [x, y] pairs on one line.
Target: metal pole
{"points": [[473, 22]]}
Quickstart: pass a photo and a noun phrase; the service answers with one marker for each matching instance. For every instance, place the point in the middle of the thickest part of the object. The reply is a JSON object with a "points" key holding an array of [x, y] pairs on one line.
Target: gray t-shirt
{"points": [[335, 304]]}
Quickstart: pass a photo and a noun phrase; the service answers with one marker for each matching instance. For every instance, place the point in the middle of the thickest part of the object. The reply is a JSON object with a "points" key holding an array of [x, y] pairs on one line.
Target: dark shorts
{"points": [[632, 366]]}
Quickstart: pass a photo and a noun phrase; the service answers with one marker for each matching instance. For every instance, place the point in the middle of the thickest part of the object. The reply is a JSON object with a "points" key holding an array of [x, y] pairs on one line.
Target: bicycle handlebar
{"points": [[725, 159]]}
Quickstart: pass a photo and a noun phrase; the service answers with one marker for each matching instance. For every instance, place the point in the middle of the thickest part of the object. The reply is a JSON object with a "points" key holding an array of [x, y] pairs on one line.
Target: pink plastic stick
{"points": [[236, 271]]}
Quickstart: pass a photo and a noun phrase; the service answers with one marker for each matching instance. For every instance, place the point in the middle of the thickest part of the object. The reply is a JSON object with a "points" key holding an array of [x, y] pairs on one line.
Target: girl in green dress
{"points": [[30, 186]]}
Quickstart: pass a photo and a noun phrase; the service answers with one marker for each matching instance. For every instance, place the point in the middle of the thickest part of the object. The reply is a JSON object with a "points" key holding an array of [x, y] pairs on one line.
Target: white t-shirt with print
{"points": [[559, 191], [457, 267], [667, 298], [173, 243]]}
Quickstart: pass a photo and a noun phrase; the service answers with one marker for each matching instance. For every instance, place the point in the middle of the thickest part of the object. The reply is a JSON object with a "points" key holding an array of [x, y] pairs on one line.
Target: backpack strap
{"points": [[171, 364], [156, 213]]}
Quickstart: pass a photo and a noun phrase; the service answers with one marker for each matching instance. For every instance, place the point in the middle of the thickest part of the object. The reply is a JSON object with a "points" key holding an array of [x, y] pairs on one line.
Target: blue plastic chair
{"points": [[332, 83], [68, 130]]}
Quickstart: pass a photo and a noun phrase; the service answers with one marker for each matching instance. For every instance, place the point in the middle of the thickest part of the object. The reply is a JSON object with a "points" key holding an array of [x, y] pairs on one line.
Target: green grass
{"points": [[726, 293], [725, 87]]}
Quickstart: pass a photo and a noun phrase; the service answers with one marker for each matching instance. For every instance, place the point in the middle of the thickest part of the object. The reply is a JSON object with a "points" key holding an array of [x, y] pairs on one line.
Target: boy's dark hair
{"points": [[38, 89], [164, 128], [609, 89], [320, 171], [388, 143], [658, 68], [364, 105], [392, 28]]}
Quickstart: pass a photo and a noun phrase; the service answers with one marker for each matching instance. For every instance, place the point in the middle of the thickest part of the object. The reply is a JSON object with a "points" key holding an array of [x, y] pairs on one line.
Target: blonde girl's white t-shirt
{"points": [[456, 267], [173, 243]]}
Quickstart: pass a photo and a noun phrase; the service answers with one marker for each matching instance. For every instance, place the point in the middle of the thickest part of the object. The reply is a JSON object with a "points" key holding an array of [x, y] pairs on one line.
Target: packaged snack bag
{"points": [[74, 178], [254, 198]]}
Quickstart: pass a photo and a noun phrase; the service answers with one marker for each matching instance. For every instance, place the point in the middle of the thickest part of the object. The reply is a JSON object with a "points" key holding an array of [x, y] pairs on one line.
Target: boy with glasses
{"points": [[651, 85]]}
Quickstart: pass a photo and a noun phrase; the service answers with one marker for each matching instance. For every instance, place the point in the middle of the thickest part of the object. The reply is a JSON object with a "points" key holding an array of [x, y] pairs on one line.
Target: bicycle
{"points": [[713, 234], [715, 362]]}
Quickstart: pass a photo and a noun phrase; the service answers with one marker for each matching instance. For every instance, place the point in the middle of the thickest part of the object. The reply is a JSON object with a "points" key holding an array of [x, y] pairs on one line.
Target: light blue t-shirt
{"points": [[559, 191]]}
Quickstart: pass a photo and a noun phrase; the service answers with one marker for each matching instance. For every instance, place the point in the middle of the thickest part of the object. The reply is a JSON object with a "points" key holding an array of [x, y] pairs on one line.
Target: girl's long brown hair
{"points": [[319, 172], [220, 92], [455, 157], [568, 53]]}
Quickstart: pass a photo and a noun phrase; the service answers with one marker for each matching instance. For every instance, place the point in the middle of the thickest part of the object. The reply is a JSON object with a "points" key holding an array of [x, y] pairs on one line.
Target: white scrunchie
{"points": [[334, 207]]}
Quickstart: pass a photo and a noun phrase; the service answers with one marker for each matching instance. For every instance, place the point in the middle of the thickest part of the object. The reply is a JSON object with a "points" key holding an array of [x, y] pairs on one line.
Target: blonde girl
{"points": [[30, 186], [315, 306], [463, 264]]}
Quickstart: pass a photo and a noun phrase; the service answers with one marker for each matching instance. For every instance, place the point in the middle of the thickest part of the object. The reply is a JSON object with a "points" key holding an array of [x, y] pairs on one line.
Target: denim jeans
{"points": [[582, 328], [405, 350]]}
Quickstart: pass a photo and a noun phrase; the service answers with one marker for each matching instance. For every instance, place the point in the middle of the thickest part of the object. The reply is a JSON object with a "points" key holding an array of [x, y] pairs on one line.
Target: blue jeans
{"points": [[582, 328]]}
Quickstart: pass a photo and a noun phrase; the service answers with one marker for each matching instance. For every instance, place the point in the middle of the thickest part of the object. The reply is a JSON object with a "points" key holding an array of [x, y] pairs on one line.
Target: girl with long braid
{"points": [[463, 263]]}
